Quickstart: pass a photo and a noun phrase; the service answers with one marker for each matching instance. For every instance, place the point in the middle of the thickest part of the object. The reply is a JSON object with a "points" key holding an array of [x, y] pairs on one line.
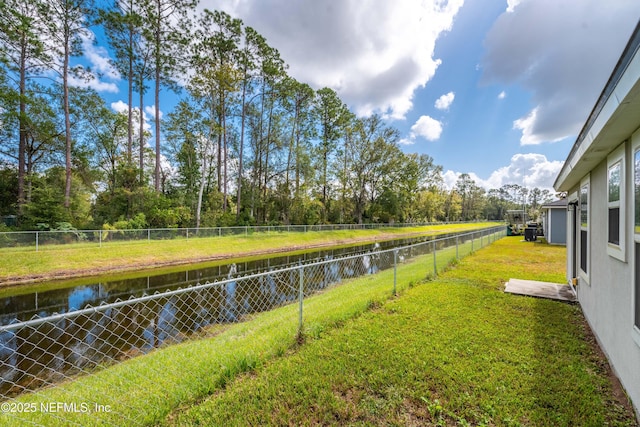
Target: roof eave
{"points": [[613, 118]]}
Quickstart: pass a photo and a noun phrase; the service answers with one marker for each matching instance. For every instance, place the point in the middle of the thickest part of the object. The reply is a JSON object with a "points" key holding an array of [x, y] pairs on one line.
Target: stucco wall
{"points": [[607, 299]]}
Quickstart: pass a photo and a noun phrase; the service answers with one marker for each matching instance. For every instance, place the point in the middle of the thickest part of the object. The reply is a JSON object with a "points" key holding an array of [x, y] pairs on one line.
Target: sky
{"points": [[498, 89]]}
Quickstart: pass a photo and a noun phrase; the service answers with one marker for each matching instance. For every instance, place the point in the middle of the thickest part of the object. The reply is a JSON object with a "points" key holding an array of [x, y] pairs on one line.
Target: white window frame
{"points": [[635, 148], [584, 275], [617, 157], [573, 242]]}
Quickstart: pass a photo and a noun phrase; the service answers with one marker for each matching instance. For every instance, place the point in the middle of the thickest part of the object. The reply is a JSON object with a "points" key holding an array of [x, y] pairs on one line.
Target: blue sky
{"points": [[494, 88]]}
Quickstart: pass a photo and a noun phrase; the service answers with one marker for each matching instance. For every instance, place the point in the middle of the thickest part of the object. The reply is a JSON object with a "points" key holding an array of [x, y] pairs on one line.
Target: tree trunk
{"points": [[297, 190], [67, 122], [325, 162], [291, 145], [22, 143], [266, 163], [157, 128], [158, 75], [225, 148], [130, 101], [141, 130], [238, 199], [202, 184], [223, 123], [344, 182], [219, 165], [258, 157]]}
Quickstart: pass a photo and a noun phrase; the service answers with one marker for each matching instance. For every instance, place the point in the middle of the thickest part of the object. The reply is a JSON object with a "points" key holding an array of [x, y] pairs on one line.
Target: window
{"points": [[636, 190], [584, 229], [616, 203]]}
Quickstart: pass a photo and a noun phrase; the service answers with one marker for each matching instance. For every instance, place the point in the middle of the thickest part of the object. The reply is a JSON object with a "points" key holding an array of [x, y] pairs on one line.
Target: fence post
{"points": [[100, 238], [148, 234], [395, 270], [37, 237], [472, 238], [301, 298], [435, 264]]}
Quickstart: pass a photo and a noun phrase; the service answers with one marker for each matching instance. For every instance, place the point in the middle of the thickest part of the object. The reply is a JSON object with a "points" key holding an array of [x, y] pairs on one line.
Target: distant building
{"points": [[554, 222], [601, 177]]}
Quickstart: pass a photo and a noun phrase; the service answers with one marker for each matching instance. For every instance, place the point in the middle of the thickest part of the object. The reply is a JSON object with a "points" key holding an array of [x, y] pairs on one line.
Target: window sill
{"points": [[636, 335], [583, 278], [615, 251]]}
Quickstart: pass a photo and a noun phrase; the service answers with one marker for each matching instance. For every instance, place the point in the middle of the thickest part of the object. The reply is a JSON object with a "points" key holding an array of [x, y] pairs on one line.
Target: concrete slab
{"points": [[534, 288]]}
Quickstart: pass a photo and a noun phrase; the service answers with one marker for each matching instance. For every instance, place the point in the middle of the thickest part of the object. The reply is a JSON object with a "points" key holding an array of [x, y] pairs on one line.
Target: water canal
{"points": [[67, 296]]}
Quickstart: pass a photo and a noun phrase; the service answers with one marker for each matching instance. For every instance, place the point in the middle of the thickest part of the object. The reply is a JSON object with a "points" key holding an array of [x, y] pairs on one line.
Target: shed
{"points": [[554, 222]]}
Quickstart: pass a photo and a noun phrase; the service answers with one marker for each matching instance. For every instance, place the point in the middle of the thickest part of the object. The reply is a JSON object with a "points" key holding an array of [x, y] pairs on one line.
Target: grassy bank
{"points": [[453, 350], [74, 260]]}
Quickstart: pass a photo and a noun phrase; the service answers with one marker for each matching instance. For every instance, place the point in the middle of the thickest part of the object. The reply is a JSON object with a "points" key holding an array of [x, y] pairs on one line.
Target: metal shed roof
{"points": [[558, 204]]}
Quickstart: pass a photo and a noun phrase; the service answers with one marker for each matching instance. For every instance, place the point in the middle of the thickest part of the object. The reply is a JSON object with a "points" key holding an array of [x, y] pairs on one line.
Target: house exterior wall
{"points": [[606, 293]]}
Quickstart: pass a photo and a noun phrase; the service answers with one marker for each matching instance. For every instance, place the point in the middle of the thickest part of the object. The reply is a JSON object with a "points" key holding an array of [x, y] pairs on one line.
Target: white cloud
{"points": [[374, 53], [93, 83], [426, 127], [502, 95], [119, 106], [562, 52], [100, 75], [444, 102], [408, 141], [122, 107], [450, 178], [511, 5], [99, 58], [151, 111], [529, 170]]}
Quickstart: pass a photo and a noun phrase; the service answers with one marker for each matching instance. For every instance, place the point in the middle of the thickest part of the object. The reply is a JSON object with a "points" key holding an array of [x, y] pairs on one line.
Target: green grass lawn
{"points": [[452, 350], [55, 261]]}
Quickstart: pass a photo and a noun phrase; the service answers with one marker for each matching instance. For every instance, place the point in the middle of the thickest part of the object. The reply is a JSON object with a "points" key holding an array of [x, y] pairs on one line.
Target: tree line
{"points": [[246, 143]]}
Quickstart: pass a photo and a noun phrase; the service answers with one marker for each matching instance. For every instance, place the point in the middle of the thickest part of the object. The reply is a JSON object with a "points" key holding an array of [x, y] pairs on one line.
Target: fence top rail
{"points": [[192, 288], [249, 227]]}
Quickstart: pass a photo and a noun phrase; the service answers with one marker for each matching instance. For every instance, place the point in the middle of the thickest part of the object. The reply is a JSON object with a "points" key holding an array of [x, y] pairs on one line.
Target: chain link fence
{"points": [[38, 239], [42, 357]]}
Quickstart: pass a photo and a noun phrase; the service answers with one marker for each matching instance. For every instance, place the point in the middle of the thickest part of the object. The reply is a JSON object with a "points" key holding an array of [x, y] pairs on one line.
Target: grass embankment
{"points": [[454, 350], [23, 265]]}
